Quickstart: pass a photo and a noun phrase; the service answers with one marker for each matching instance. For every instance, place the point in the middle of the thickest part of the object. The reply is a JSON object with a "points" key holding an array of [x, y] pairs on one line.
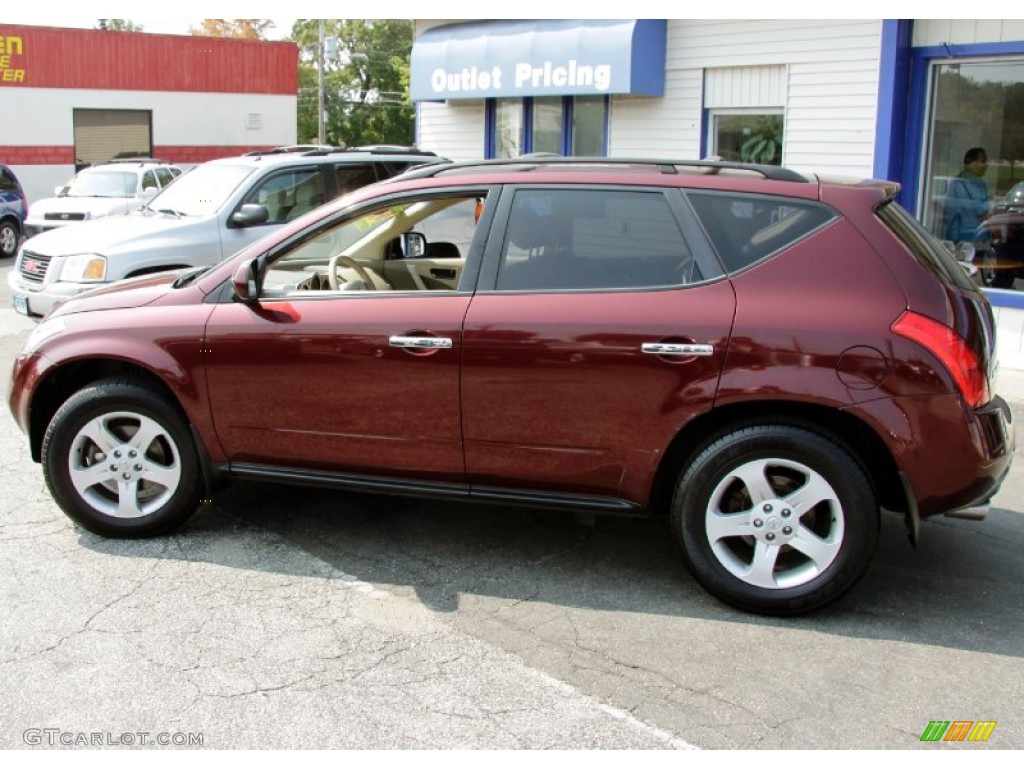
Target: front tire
{"points": [[9, 236], [119, 460], [775, 519]]}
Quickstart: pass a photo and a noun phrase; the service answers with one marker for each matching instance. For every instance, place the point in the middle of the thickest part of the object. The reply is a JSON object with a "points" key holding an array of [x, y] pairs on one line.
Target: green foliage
{"points": [[245, 29], [765, 143], [366, 85], [118, 25]]}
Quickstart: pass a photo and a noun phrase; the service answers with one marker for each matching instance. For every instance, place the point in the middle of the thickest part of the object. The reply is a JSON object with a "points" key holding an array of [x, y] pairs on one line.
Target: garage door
{"points": [[102, 134]]}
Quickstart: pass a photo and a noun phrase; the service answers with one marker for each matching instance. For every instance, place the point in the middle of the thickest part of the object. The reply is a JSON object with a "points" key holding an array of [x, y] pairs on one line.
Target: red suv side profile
{"points": [[769, 358]]}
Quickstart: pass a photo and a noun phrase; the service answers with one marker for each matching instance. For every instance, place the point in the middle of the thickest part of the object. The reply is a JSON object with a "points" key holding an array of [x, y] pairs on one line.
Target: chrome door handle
{"points": [[678, 350], [420, 342]]}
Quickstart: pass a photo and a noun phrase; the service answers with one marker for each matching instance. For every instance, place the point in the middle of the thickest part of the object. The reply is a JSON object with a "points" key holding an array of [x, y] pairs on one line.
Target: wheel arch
{"points": [[851, 433], [64, 380]]}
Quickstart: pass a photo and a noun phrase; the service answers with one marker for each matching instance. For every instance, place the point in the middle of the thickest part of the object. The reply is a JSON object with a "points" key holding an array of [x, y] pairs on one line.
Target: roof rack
{"points": [[376, 149], [131, 160], [542, 160]]}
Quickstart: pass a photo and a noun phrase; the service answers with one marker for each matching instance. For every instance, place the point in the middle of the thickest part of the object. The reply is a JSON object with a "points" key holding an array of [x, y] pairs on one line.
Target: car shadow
{"points": [[962, 588]]}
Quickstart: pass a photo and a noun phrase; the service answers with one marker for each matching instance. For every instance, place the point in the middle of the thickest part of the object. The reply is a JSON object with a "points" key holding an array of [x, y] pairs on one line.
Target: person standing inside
{"points": [[967, 204]]}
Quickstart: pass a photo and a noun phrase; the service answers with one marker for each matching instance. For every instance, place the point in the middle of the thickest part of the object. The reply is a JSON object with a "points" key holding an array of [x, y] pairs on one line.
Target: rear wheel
{"points": [[775, 519], [119, 460]]}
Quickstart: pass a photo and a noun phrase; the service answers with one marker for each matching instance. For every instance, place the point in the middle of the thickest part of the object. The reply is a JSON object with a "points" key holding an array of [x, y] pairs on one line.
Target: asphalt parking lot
{"points": [[291, 618]]}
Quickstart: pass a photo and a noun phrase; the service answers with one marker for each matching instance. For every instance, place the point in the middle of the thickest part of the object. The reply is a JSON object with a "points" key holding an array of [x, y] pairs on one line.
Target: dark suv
{"points": [[768, 358], [13, 210]]}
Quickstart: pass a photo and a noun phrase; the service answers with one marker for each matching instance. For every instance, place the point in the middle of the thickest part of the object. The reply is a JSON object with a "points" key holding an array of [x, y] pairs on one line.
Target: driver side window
{"points": [[411, 244]]}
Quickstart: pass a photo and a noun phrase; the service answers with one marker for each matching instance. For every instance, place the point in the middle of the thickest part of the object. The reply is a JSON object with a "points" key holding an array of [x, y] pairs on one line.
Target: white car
{"points": [[212, 211], [111, 189]]}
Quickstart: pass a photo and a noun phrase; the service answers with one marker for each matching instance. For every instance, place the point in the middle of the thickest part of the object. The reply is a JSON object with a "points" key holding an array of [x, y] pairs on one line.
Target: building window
{"points": [[973, 184], [508, 127], [747, 136], [573, 125]]}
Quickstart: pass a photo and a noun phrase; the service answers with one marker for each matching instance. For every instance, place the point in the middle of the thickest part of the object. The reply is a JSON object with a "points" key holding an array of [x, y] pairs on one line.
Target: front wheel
{"points": [[8, 239], [775, 519], [119, 460]]}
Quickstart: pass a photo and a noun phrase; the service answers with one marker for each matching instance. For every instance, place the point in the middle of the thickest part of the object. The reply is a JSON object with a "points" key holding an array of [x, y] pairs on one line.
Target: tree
{"points": [[366, 81], [246, 29], [118, 25]]}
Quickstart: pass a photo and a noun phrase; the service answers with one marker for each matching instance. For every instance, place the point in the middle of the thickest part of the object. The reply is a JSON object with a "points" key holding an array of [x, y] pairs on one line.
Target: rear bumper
{"points": [[950, 457]]}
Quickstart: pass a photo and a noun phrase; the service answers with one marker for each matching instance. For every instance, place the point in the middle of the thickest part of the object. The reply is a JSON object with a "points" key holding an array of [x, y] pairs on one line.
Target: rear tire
{"points": [[119, 460], [775, 519]]}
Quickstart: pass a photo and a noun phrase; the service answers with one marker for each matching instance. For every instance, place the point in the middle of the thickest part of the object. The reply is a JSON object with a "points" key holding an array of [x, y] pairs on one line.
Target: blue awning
{"points": [[550, 57]]}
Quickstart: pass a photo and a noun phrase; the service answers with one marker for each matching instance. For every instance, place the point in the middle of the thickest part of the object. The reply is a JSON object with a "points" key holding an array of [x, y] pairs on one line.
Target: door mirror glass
{"points": [[414, 245]]}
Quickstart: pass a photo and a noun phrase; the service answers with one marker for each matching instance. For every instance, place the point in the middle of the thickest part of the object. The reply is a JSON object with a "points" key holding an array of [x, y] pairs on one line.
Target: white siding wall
{"points": [[667, 127], [829, 91], [454, 129], [745, 87], [928, 32], [831, 88]]}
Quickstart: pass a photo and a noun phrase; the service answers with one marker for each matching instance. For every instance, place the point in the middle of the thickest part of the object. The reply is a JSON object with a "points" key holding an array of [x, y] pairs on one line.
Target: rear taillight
{"points": [[961, 362]]}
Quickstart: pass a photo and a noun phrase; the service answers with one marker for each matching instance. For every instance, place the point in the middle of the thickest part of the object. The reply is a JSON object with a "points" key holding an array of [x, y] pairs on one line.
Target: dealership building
{"points": [[75, 97], [899, 99]]}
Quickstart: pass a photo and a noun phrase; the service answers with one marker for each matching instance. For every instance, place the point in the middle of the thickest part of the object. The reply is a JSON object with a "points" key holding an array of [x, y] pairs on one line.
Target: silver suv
{"points": [[111, 189], [209, 213]]}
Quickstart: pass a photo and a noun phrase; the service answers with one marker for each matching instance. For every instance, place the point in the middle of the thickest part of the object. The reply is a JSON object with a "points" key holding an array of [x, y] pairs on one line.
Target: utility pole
{"points": [[320, 85]]}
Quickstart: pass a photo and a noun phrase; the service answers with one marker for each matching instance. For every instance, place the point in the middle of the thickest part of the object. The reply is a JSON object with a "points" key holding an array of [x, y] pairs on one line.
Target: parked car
{"points": [[116, 188], [13, 209], [210, 212], [767, 358]]}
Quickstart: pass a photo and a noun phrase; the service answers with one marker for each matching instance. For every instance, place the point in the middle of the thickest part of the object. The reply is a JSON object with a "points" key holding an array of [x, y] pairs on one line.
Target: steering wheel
{"points": [[341, 260]]}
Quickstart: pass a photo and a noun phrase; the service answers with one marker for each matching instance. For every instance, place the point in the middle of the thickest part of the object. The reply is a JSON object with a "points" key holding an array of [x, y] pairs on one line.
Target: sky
{"points": [[48, 15]]}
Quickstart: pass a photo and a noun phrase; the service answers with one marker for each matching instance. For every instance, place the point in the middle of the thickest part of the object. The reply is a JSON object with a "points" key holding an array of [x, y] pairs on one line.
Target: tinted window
{"points": [[746, 228], [926, 247], [164, 176], [6, 180], [593, 239], [289, 194], [352, 177]]}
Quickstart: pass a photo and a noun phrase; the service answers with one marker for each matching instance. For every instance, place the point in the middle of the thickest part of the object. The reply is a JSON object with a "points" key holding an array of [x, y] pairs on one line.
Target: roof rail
{"points": [[376, 149], [131, 160], [541, 160]]}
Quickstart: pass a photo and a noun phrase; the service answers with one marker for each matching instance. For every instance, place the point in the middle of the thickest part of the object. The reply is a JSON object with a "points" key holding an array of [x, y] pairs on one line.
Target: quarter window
{"points": [[746, 228], [593, 239]]}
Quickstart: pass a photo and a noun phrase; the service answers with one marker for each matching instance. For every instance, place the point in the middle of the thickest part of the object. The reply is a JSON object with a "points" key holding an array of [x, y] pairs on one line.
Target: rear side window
{"points": [[744, 229], [593, 239], [926, 248], [7, 181], [351, 177]]}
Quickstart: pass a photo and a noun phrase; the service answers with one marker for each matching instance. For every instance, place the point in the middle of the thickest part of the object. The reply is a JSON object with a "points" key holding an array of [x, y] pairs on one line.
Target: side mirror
{"points": [[414, 245], [246, 282], [250, 214], [149, 193]]}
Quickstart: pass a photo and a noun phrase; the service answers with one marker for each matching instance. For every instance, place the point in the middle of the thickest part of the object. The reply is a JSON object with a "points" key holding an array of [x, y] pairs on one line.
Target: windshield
{"points": [[202, 190], [101, 184]]}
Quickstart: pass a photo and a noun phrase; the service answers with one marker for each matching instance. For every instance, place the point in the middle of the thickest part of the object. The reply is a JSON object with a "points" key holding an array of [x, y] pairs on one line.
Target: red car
{"points": [[771, 359]]}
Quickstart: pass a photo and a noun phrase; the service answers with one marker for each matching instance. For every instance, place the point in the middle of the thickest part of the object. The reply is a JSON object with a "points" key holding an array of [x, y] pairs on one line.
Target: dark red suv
{"points": [[770, 359]]}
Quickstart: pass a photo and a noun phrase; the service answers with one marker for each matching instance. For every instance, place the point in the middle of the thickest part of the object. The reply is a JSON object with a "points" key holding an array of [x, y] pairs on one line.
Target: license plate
{"points": [[21, 304]]}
